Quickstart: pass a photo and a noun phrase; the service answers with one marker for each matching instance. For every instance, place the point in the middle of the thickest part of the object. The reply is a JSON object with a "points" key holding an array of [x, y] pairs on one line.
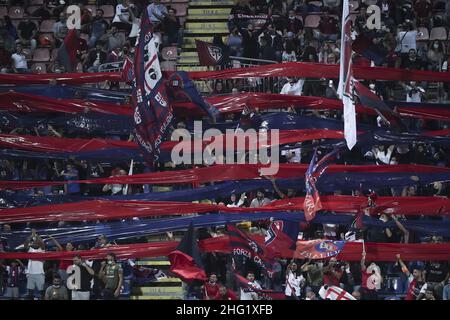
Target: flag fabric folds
{"points": [[281, 235], [185, 260], [334, 293], [316, 168], [318, 249], [152, 109], [346, 78], [210, 54]]}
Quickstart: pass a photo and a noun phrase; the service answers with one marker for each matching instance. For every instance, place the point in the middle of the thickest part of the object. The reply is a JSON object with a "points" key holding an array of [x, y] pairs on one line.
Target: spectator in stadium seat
{"points": [[95, 57], [99, 27], [429, 294], [60, 29], [10, 28], [288, 54], [63, 264], [328, 27], [171, 28], [27, 32], [35, 270], [332, 273], [13, 274], [115, 38], [156, 12], [225, 294], [436, 276], [211, 288], [115, 188], [57, 291], [135, 24], [121, 19], [293, 87], [414, 93], [260, 200], [267, 52], [314, 274], [19, 60], [293, 24], [435, 55], [112, 275], [294, 282], [7, 42], [248, 293], [69, 174], [274, 40], [250, 40], [43, 12], [234, 42], [86, 274]]}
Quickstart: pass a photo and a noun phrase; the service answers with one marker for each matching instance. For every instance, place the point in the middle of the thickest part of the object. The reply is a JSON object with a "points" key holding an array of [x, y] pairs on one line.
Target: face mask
{"points": [[110, 262], [56, 286], [372, 86], [436, 45]]}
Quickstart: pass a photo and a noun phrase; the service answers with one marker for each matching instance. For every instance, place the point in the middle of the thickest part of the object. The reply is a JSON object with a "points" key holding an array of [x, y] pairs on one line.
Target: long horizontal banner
{"points": [[290, 69], [227, 172], [111, 210], [321, 70], [350, 252], [18, 101]]}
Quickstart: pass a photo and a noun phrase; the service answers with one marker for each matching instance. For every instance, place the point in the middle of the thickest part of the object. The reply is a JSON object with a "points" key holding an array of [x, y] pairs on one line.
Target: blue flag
{"points": [[152, 109]]}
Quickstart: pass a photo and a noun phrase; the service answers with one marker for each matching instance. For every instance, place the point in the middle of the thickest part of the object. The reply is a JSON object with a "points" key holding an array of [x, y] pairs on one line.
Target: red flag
{"points": [[318, 249], [185, 261]]}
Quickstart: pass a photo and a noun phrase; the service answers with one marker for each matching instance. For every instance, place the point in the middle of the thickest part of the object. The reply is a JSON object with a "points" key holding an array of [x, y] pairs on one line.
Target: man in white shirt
{"points": [[293, 87], [294, 282], [19, 60], [260, 200], [414, 92], [35, 270], [382, 155], [248, 293], [156, 11], [292, 155]]}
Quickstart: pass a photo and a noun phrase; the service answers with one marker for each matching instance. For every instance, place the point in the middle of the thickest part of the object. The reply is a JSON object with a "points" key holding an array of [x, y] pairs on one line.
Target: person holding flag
{"points": [[294, 282]]}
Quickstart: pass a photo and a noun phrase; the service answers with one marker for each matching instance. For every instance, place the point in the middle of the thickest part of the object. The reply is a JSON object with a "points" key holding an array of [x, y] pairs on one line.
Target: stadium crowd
{"points": [[285, 36]]}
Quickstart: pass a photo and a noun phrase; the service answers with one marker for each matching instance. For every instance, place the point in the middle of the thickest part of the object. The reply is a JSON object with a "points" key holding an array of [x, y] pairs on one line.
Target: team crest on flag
{"points": [[215, 53], [318, 249]]}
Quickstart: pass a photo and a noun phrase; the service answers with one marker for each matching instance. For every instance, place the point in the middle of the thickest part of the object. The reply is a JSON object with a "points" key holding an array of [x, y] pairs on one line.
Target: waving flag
{"points": [[316, 168], [371, 100], [210, 54], [183, 89], [242, 245], [334, 293], [152, 110], [281, 235], [185, 260], [345, 87], [318, 249], [365, 47], [127, 71]]}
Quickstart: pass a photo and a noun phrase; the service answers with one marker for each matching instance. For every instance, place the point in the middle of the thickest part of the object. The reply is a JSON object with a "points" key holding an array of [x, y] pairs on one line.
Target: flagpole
{"points": [[130, 172]]}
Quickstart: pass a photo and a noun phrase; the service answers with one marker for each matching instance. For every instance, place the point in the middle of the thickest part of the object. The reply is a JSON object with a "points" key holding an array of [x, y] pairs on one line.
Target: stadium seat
{"points": [[169, 53], [47, 26], [181, 9], [3, 11], [39, 68], [316, 3], [423, 35], [109, 11], [92, 8], [32, 9], [41, 55], [15, 12], [312, 21], [438, 33]]}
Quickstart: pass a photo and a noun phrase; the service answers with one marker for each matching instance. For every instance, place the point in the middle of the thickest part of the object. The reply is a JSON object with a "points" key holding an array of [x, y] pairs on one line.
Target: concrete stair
{"points": [[205, 19]]}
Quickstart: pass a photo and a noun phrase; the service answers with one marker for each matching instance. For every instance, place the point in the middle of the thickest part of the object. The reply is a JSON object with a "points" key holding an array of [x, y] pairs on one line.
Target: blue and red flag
{"points": [[282, 235], [316, 168], [318, 249], [152, 109], [242, 246], [365, 47]]}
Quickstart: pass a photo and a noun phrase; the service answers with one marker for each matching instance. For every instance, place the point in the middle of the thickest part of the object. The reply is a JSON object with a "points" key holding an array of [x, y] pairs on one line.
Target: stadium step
{"points": [[205, 19]]}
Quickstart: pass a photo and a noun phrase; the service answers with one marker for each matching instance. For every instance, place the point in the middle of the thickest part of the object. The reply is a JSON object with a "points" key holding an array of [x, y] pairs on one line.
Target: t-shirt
{"points": [[20, 61], [112, 273], [294, 89], [415, 288], [436, 271], [211, 289], [35, 266], [159, 9], [72, 187], [53, 293], [330, 279], [248, 293], [122, 14], [26, 29]]}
